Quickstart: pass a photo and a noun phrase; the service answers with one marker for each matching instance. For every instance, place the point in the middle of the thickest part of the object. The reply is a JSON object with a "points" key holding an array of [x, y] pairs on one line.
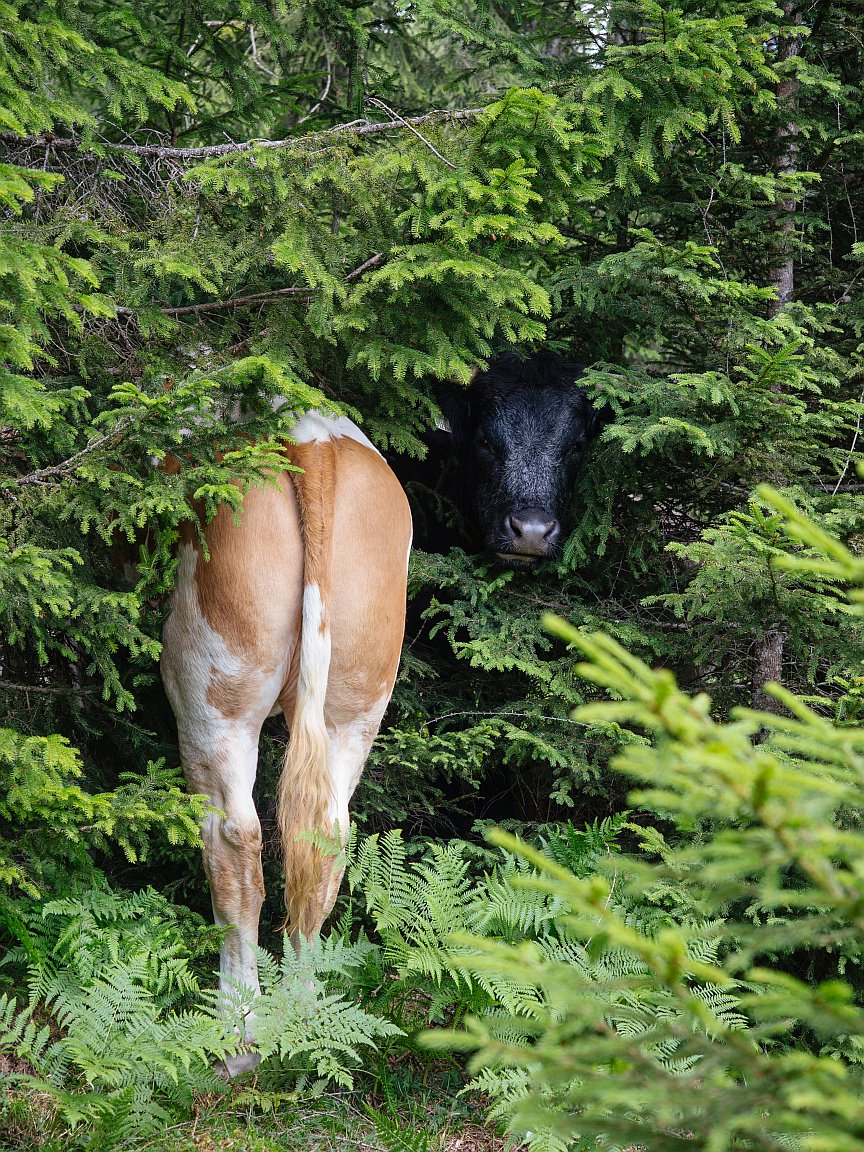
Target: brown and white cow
{"points": [[300, 609]]}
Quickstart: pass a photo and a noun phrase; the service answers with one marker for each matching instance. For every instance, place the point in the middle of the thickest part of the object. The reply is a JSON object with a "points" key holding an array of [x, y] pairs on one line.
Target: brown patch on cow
{"points": [[249, 589], [236, 881], [315, 489], [228, 695]]}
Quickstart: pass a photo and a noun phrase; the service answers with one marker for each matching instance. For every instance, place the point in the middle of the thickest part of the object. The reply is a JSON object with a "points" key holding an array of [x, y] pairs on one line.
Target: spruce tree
{"points": [[690, 1000]]}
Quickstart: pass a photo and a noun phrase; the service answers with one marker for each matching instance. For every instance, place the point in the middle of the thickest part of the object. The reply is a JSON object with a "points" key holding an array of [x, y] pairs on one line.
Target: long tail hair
{"points": [[305, 788]]}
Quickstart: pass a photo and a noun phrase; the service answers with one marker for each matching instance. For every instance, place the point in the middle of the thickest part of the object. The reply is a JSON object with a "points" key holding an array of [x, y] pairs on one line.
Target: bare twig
{"points": [[372, 262], [845, 295], [51, 689], [254, 51], [219, 305], [326, 91], [852, 449], [390, 112], [45, 474], [506, 716]]}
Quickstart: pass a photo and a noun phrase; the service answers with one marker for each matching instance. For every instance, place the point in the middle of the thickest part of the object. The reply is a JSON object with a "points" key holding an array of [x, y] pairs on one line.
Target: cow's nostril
{"points": [[553, 531]]}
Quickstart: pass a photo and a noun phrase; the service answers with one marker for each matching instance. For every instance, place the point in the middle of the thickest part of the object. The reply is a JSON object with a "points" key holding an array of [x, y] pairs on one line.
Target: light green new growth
{"points": [[720, 1046]]}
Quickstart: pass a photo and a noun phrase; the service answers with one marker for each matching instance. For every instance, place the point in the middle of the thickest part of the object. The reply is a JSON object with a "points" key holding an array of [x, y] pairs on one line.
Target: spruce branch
{"points": [[258, 297]]}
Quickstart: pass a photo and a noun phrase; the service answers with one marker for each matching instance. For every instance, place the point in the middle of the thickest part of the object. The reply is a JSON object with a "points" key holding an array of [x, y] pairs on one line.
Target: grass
{"points": [[331, 1124]]}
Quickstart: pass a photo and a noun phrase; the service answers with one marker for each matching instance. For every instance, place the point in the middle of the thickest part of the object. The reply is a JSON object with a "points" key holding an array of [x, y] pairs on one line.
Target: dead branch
{"points": [[51, 689], [386, 108], [165, 152], [43, 475]]}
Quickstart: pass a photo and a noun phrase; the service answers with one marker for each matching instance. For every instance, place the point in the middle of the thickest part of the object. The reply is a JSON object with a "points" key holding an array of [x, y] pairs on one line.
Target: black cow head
{"points": [[519, 434]]}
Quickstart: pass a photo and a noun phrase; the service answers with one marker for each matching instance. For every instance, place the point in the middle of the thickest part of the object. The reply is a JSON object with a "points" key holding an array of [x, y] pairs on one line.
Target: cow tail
{"points": [[305, 788]]}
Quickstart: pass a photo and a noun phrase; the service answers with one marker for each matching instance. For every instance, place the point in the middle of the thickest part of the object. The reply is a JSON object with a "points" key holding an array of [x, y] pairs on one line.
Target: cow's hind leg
{"points": [[349, 747], [227, 645], [220, 699], [232, 848], [224, 771]]}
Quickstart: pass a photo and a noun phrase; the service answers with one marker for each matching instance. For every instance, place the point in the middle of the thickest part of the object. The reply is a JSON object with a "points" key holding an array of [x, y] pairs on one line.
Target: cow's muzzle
{"points": [[531, 533]]}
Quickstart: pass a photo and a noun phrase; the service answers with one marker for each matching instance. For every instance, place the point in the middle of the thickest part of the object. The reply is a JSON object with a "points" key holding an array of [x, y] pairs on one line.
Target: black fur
{"points": [[519, 434]]}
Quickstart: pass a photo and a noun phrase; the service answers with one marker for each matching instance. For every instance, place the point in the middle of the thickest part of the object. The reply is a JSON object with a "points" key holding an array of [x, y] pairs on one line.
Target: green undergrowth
{"points": [[248, 1120], [109, 1028], [119, 1030]]}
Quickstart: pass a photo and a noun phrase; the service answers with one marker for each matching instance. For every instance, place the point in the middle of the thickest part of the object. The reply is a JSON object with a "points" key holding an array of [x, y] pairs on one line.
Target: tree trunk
{"points": [[769, 650], [768, 654], [786, 164]]}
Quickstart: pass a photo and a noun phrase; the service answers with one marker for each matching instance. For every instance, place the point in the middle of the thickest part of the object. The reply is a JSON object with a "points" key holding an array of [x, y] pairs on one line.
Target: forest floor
{"points": [[330, 1123], [255, 1116]]}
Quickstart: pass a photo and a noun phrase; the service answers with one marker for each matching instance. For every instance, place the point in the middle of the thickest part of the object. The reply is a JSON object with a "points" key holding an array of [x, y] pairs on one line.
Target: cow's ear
{"points": [[455, 405]]}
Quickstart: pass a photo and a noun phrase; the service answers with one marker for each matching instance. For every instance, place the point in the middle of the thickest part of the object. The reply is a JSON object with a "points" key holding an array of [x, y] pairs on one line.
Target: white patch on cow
{"points": [[315, 426], [443, 424], [195, 654], [315, 648]]}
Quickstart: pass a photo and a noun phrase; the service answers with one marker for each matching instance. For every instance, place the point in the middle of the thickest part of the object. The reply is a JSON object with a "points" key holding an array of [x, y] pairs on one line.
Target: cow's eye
{"points": [[485, 444]]}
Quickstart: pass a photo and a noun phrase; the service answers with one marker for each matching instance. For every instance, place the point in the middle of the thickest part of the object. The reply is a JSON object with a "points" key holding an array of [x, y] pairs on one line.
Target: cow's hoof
{"points": [[236, 1065]]}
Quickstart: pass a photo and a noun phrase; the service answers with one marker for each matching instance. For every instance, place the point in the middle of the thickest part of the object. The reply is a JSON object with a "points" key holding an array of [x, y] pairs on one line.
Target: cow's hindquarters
{"points": [[286, 617]]}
